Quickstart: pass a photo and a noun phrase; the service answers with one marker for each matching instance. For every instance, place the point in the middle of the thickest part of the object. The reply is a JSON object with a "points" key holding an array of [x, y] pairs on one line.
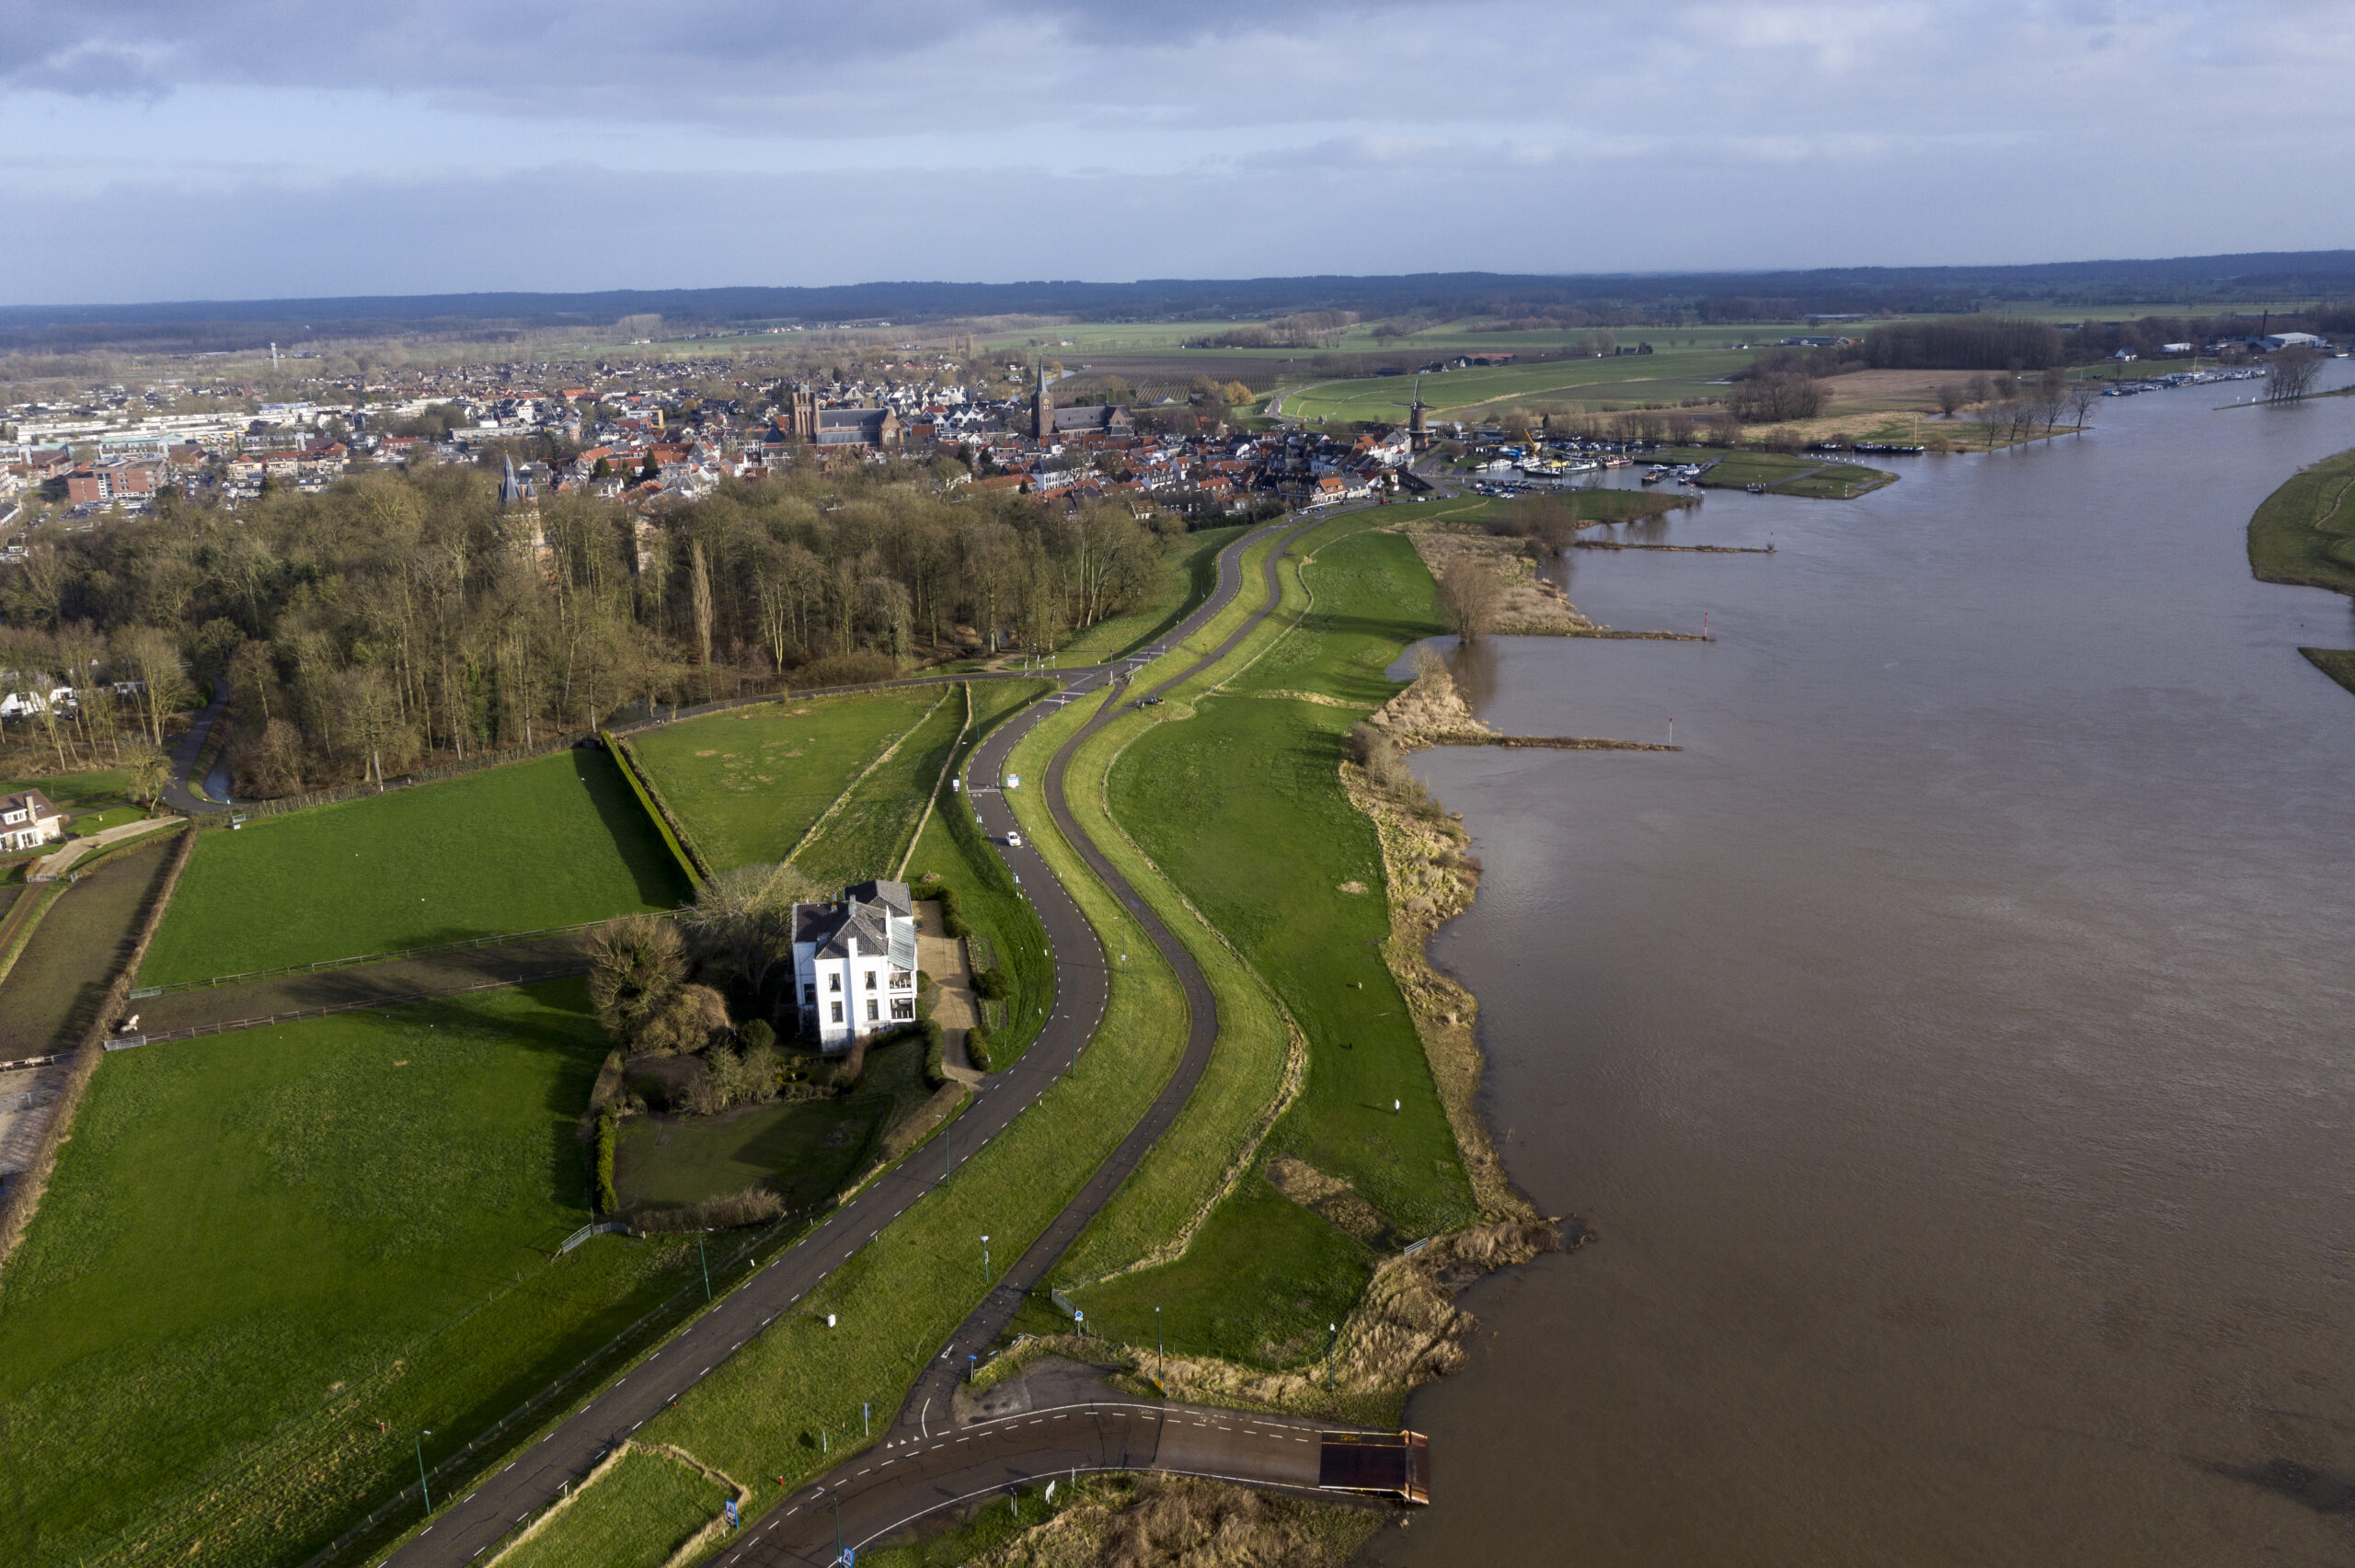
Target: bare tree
{"points": [[637, 965], [2290, 372], [2081, 394], [1472, 594], [1950, 397]]}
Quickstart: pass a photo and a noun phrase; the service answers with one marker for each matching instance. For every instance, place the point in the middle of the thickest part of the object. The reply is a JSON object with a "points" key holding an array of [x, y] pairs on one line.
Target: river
{"points": [[1952, 1046]]}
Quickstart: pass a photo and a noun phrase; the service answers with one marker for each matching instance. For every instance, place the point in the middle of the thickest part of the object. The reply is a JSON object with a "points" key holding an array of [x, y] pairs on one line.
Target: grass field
{"points": [[549, 843], [749, 783], [1485, 392], [53, 989], [869, 834], [805, 1154], [666, 1502], [2303, 533], [260, 1245], [75, 791], [1189, 571], [2337, 663], [1783, 474]]}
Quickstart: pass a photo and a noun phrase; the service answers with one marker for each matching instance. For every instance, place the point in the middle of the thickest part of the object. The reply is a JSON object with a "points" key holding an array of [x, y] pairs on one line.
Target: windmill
{"points": [[1419, 421]]}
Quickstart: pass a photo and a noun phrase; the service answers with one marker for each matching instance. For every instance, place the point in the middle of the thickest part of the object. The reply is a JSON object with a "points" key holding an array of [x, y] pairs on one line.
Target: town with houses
{"points": [[641, 435]]}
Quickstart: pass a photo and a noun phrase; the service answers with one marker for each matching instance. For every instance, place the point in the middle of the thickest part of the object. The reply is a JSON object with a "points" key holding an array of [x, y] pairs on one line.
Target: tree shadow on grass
{"points": [[660, 881]]}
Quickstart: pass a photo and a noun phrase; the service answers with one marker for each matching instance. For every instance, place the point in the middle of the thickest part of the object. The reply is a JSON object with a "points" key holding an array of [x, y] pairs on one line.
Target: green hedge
{"points": [[627, 763], [608, 1135], [977, 1048]]}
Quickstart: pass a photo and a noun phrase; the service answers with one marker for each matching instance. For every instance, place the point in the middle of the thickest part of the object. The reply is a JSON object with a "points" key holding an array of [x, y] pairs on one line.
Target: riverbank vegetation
{"points": [[2303, 534], [267, 1260], [554, 841]]}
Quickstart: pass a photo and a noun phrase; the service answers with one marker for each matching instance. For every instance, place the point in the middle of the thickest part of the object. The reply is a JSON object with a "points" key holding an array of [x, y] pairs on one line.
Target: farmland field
{"points": [[869, 834], [523, 847], [258, 1246], [1483, 392], [749, 783]]}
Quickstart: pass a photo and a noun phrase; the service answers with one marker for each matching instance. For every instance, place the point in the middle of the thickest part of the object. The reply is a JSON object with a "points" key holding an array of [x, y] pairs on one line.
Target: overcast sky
{"points": [[261, 148]]}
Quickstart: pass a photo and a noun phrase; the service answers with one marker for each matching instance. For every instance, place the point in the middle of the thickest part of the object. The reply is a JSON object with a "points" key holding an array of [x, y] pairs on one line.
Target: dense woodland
{"points": [[399, 617]]}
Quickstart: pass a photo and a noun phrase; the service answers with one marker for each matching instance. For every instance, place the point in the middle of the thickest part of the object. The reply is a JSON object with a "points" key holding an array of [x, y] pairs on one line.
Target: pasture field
{"points": [[749, 783], [1485, 392], [2303, 533], [75, 792], [1267, 850], [53, 990], [1189, 571], [1783, 474], [869, 833], [258, 1246], [549, 843], [666, 1503]]}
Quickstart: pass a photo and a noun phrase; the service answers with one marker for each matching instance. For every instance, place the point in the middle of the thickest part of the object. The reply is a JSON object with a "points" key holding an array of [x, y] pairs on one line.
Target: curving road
{"points": [[480, 1519]]}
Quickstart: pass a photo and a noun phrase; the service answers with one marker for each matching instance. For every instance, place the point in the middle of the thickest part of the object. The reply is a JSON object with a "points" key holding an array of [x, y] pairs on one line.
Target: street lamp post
{"points": [[835, 1497], [422, 1490], [706, 1262], [986, 1257], [1334, 1330], [1160, 1354]]}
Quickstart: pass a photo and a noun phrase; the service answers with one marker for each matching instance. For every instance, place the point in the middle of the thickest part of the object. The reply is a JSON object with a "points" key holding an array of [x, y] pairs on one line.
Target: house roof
{"points": [[864, 915], [40, 806]]}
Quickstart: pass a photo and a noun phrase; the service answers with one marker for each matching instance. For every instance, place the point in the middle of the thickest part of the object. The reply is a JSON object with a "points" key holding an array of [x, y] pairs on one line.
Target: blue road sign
{"points": [[731, 1513]]}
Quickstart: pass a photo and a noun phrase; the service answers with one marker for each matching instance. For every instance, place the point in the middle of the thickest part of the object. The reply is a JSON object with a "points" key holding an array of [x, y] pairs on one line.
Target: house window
{"points": [[903, 1008], [838, 1011], [833, 982], [809, 994], [872, 1015], [902, 980]]}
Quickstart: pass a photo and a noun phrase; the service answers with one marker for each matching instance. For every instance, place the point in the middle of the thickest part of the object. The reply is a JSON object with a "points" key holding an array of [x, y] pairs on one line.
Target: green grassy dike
{"points": [[759, 1416], [2303, 534]]}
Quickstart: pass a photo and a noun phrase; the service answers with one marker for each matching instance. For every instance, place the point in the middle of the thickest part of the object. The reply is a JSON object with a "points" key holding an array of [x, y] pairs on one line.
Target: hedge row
{"points": [[608, 1135]]}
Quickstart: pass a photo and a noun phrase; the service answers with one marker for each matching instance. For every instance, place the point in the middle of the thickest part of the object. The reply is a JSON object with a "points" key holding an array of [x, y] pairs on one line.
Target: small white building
{"points": [[2276, 341], [28, 819], [855, 962]]}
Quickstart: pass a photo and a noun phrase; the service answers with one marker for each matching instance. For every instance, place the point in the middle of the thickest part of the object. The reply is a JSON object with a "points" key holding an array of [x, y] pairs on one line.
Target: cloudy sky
{"points": [[155, 149]]}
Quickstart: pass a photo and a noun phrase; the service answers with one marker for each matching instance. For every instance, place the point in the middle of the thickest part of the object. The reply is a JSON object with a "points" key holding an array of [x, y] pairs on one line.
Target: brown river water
{"points": [[1953, 1046]]}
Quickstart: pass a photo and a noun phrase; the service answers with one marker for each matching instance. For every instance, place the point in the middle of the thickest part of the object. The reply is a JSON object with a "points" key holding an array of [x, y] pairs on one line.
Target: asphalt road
{"points": [[893, 1486], [479, 1519]]}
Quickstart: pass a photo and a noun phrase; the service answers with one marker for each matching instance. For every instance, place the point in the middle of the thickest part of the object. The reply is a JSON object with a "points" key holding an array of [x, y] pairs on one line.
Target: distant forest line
{"points": [[2288, 279]]}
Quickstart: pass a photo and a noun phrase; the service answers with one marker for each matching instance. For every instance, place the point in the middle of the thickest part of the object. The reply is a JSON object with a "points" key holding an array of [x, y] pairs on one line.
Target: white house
{"points": [[27, 819], [855, 962]]}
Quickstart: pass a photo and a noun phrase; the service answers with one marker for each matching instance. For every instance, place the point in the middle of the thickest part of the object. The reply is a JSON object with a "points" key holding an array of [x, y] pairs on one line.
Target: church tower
{"points": [[805, 412], [1418, 423], [1042, 410]]}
